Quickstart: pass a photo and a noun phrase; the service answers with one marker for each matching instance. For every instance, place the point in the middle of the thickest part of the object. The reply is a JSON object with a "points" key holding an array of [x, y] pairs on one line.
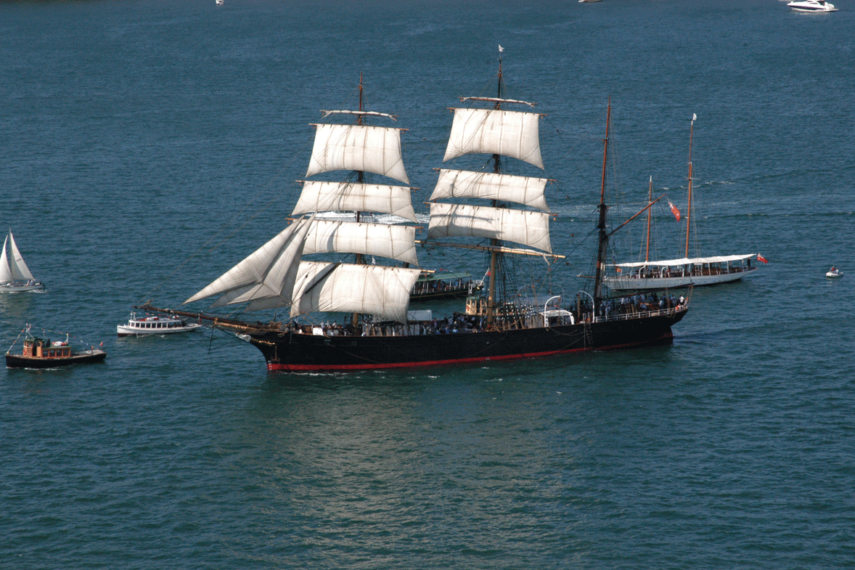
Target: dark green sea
{"points": [[147, 146]]}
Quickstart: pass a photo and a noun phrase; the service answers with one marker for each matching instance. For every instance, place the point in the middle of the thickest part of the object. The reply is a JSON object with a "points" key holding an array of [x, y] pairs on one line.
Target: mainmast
{"points": [[602, 250], [360, 178], [491, 292], [499, 133], [689, 207]]}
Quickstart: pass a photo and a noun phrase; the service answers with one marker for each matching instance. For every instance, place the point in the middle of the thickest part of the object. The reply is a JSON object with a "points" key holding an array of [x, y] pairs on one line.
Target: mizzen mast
{"points": [[603, 237], [649, 214]]}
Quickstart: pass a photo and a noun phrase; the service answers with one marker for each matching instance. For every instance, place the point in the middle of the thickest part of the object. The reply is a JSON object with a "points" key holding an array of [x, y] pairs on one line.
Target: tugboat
{"points": [[155, 325], [42, 353]]}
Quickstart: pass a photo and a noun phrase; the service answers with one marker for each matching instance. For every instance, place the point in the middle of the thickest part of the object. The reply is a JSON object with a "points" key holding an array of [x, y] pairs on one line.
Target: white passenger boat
{"points": [[676, 273], [15, 276], [812, 6], [148, 325]]}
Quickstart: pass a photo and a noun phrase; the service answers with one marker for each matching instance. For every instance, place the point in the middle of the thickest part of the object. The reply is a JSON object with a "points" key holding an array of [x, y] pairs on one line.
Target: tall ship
{"points": [[353, 314]]}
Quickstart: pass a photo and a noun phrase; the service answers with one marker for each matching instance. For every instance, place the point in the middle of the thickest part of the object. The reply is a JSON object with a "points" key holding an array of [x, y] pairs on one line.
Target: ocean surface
{"points": [[147, 146]]}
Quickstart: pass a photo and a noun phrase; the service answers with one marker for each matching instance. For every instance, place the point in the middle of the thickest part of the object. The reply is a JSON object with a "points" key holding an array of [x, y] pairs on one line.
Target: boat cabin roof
{"points": [[686, 261]]}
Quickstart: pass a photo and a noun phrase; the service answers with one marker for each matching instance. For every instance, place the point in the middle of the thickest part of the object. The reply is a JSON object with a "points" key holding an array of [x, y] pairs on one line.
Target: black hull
{"points": [[19, 361], [304, 353]]}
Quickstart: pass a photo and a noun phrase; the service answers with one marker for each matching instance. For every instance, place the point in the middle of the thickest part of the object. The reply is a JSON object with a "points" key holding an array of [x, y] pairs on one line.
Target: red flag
{"points": [[674, 211], [761, 258]]}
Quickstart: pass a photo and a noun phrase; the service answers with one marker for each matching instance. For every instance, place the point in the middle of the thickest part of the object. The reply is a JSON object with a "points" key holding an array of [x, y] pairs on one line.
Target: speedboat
{"points": [[834, 272], [147, 325], [812, 6]]}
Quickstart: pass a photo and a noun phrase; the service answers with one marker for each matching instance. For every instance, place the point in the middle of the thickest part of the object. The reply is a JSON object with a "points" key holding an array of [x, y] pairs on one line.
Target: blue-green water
{"points": [[138, 136]]}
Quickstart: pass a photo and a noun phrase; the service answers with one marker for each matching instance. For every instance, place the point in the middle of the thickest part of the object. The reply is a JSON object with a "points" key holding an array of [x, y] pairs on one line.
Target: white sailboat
{"points": [[15, 276], [277, 276], [685, 271]]}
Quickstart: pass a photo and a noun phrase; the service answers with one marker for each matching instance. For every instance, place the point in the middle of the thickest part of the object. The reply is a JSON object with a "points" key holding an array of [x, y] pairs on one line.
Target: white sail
{"points": [[355, 197], [5, 270], [268, 271], [454, 220], [494, 131], [357, 147], [505, 187], [394, 242], [383, 292], [14, 264]]}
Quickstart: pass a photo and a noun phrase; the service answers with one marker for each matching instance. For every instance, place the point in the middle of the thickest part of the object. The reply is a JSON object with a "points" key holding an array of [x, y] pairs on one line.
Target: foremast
{"points": [[276, 275]]}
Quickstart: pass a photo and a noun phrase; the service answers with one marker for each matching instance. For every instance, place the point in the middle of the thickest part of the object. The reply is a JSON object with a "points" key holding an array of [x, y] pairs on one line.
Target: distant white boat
{"points": [[812, 6], [220, 2], [15, 276], [587, 1], [834, 272]]}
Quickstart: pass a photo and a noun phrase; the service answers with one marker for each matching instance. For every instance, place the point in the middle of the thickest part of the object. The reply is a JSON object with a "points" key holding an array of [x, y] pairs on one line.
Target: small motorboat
{"points": [[149, 325], [834, 272], [812, 6], [42, 353]]}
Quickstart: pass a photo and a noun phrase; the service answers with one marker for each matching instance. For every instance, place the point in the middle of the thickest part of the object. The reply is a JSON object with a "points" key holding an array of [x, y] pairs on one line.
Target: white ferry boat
{"points": [[148, 325]]}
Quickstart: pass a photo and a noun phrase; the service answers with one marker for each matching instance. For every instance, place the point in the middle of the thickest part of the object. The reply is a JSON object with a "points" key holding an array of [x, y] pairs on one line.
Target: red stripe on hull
{"points": [[349, 367]]}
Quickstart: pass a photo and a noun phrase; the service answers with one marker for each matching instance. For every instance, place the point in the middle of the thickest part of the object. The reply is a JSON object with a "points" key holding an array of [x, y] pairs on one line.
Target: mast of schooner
{"points": [[689, 207]]}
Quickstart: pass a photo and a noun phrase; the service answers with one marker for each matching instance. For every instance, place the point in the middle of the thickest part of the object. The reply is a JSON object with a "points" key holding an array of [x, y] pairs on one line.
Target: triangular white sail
{"points": [[383, 292], [358, 147], [504, 187], [13, 267], [495, 131], [264, 273], [454, 220], [5, 270], [276, 288], [355, 197], [385, 240]]}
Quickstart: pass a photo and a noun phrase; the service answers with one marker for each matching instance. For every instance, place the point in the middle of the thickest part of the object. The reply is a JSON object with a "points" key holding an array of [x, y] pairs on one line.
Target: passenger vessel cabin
{"points": [[675, 268], [154, 324], [41, 348]]}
